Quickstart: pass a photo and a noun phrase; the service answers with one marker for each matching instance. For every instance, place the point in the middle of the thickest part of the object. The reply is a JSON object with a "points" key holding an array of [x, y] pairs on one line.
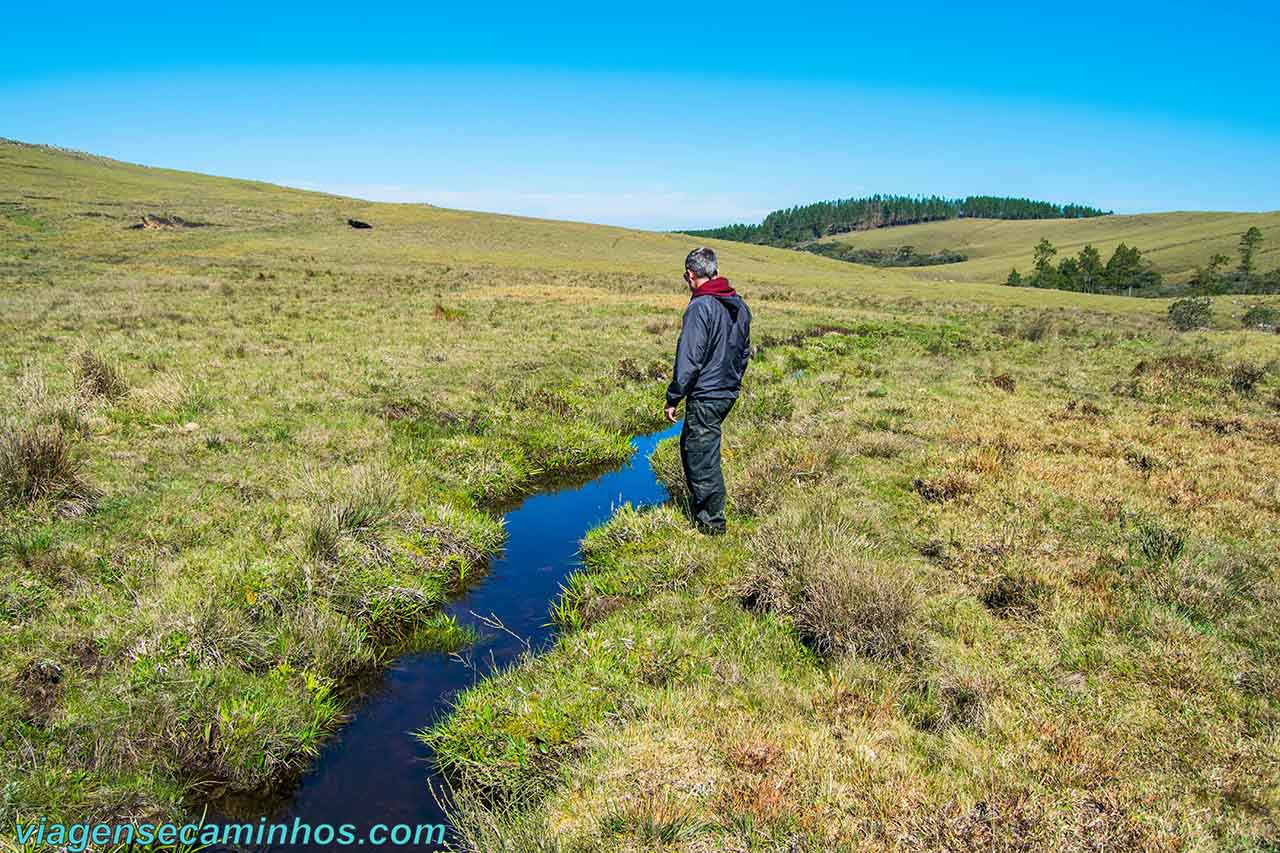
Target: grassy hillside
{"points": [[1000, 567], [1174, 242]]}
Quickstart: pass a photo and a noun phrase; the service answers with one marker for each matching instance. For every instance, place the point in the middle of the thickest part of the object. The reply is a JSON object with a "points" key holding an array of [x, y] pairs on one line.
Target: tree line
{"points": [[902, 256], [796, 225], [1127, 272]]}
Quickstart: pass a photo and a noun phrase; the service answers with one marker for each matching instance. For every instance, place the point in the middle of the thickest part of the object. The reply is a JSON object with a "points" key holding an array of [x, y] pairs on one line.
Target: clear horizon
{"points": [[630, 120]]}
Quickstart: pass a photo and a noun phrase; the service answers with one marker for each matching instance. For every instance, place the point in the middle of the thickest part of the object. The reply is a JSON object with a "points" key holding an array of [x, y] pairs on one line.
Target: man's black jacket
{"points": [[714, 347]]}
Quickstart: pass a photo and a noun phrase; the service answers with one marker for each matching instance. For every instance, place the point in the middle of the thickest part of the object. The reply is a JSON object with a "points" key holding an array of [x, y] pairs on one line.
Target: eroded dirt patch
{"points": [[152, 222], [40, 686]]}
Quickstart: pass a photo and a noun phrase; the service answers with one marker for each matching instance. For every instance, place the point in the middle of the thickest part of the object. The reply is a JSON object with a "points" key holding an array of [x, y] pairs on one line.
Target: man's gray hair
{"points": [[702, 262]]}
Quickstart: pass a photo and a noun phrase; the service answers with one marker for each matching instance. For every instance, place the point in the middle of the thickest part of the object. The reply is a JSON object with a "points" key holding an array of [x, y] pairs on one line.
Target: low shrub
{"points": [[1004, 382], [941, 489], [1036, 329], [1261, 316], [771, 467], [1190, 313], [630, 370], [1245, 377]]}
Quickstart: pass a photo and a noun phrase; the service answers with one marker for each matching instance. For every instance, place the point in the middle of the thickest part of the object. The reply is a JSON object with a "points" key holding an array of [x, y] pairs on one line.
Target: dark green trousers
{"points": [[700, 455]]}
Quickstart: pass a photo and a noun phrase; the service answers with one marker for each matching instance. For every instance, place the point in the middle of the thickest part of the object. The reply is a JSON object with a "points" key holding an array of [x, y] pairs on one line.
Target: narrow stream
{"points": [[375, 771]]}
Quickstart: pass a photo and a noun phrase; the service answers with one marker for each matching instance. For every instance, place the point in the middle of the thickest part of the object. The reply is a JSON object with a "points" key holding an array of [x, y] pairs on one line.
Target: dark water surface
{"points": [[374, 771]]}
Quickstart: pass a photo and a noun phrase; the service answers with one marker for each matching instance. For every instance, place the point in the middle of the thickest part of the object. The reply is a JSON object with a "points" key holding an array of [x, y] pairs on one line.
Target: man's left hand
{"points": [[670, 413]]}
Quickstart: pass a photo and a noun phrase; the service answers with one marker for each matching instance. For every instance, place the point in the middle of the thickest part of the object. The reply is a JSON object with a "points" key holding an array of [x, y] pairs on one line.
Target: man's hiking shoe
{"points": [[711, 530]]}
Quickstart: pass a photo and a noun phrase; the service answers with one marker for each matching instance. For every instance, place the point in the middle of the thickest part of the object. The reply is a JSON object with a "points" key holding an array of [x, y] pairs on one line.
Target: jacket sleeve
{"points": [[690, 352], [745, 356]]}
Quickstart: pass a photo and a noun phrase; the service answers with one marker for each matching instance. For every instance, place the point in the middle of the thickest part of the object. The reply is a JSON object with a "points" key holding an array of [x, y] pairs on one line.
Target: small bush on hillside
{"points": [[1036, 329], [1261, 316], [1180, 367], [629, 370], [1245, 377], [946, 487], [1193, 312], [37, 463], [97, 377]]}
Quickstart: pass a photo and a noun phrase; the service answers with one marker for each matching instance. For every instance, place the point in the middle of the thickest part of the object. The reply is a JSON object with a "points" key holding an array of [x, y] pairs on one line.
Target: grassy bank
{"points": [[1010, 587], [242, 463]]}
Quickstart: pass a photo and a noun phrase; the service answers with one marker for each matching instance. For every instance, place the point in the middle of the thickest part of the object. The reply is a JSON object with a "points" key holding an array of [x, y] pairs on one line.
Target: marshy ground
{"points": [[1000, 573]]}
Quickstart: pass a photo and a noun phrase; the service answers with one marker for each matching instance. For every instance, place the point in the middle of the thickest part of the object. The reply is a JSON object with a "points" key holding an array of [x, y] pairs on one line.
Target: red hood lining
{"points": [[718, 286]]}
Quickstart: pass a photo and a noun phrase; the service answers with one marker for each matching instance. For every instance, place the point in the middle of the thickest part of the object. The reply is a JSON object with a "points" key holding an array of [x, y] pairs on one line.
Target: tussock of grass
{"points": [[777, 460], [626, 558], [354, 513], [39, 463], [166, 393], [97, 377], [1015, 594], [816, 570], [943, 488]]}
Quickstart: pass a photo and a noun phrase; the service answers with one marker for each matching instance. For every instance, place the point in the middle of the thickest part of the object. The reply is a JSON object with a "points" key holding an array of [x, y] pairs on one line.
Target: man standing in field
{"points": [[715, 344]]}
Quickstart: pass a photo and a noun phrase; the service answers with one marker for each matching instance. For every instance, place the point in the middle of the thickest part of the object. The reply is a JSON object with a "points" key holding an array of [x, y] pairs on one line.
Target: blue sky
{"points": [[662, 115]]}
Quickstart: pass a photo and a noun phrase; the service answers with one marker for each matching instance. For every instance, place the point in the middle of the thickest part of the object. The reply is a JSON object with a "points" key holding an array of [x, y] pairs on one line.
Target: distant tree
{"points": [[1069, 274], [1208, 279], [1091, 269], [1127, 271], [1044, 253], [1248, 245], [1015, 278], [1043, 274]]}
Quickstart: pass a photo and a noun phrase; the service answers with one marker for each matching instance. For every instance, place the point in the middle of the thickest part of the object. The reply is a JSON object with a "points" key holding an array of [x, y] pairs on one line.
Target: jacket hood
{"points": [[718, 286]]}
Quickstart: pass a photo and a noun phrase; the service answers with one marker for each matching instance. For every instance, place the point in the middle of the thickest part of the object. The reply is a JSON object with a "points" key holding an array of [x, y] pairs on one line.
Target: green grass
{"points": [[1175, 243], [281, 443]]}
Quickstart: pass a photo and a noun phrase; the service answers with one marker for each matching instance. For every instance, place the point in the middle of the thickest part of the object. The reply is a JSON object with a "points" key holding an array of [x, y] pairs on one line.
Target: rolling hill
{"points": [[65, 211], [1174, 242]]}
